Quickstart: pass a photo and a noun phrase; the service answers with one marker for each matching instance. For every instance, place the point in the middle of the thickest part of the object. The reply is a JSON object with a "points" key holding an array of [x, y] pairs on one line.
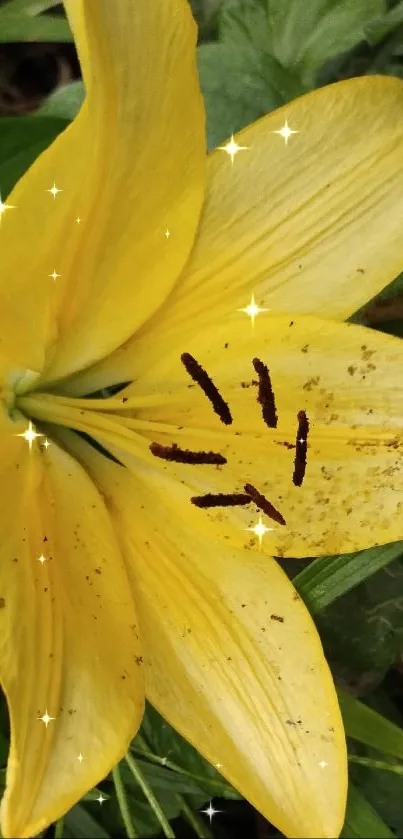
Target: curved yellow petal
{"points": [[69, 647], [232, 658], [347, 380], [310, 227], [130, 167]]}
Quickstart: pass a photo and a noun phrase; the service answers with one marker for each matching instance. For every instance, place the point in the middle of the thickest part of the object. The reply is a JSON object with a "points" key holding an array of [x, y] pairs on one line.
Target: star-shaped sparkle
{"points": [[252, 310], [29, 435], [210, 811], [4, 207], [80, 757], [322, 764], [167, 233], [259, 530], [232, 148], [46, 718], [54, 190], [54, 275], [100, 798], [286, 132], [42, 559]]}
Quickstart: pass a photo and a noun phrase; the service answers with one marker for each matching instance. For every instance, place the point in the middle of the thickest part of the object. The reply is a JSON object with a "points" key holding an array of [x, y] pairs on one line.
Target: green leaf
{"points": [[363, 633], [15, 27], [326, 579], [362, 820], [78, 823], [368, 726], [301, 36], [239, 85], [165, 742], [22, 139], [65, 102]]}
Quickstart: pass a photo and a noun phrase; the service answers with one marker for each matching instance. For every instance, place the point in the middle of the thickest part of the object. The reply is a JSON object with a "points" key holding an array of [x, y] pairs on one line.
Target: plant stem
{"points": [[200, 828], [154, 804], [377, 764], [59, 828], [123, 803]]}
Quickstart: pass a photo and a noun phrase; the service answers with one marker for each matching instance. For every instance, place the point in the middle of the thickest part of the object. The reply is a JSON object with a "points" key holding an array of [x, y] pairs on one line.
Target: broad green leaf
{"points": [[22, 139], [362, 633], [362, 821], [378, 28], [302, 36], [64, 103], [239, 85], [326, 579], [367, 726], [23, 27], [80, 824]]}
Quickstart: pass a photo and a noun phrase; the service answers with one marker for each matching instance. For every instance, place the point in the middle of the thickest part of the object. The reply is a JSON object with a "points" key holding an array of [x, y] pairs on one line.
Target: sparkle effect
{"points": [[100, 798], [286, 132], [54, 275], [167, 233], [252, 310], [322, 764], [4, 207], [46, 718], [210, 811], [259, 530], [29, 435], [54, 190], [42, 559], [232, 148], [78, 220], [80, 757]]}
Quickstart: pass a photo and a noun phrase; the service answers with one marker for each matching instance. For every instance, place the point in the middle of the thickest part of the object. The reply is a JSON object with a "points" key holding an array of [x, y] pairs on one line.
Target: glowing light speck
{"points": [[167, 233], [286, 132], [80, 757], [252, 310], [210, 811], [232, 148], [46, 719], [29, 435], [54, 190], [46, 444], [4, 207], [322, 764], [78, 220], [42, 559], [100, 798], [54, 275], [259, 530]]}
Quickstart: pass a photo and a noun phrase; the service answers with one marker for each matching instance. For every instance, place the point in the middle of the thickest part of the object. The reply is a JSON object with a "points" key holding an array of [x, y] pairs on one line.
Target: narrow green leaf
{"points": [[362, 821], [17, 27], [327, 578], [367, 726]]}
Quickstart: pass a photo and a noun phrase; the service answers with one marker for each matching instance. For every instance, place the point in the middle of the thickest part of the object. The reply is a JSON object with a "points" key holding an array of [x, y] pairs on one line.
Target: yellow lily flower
{"points": [[126, 259]]}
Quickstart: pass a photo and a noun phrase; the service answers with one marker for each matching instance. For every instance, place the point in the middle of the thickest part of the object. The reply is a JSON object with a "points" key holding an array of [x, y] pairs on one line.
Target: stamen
{"points": [[221, 500], [177, 455], [263, 504], [265, 394], [301, 449], [199, 375]]}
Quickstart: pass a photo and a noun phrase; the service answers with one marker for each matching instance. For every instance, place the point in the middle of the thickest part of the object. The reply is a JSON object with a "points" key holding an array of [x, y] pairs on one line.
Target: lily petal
{"points": [[130, 167], [347, 380], [232, 658], [69, 637], [310, 227]]}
